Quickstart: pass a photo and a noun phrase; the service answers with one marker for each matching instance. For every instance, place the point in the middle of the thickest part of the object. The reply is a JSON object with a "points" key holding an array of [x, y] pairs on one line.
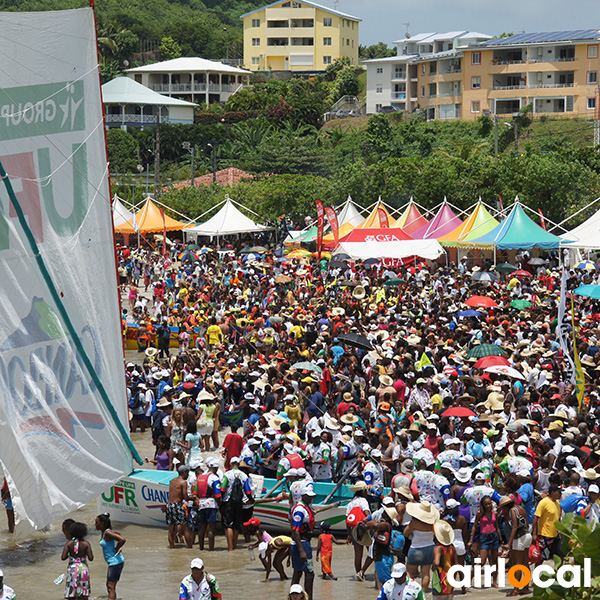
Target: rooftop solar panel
{"points": [[544, 36]]}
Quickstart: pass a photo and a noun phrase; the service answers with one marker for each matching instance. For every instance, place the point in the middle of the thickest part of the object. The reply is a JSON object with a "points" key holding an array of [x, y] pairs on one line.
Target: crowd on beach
{"points": [[452, 421]]}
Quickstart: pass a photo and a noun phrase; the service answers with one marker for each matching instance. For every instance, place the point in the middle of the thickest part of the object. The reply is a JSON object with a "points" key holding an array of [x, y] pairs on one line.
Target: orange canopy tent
{"points": [[372, 221], [149, 220]]}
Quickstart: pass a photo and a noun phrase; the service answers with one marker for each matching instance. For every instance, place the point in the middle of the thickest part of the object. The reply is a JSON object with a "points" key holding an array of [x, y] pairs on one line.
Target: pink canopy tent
{"points": [[444, 222]]}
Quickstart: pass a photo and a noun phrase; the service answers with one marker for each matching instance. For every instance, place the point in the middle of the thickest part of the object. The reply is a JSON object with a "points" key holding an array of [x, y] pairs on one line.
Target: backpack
{"points": [[136, 401], [355, 516], [569, 504], [396, 542], [237, 491], [157, 424]]}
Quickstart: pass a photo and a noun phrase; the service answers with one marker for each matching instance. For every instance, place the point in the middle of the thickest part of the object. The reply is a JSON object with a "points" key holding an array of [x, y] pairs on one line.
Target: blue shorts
{"points": [[207, 515], [297, 564], [8, 504], [384, 568], [489, 541], [114, 572], [420, 556]]}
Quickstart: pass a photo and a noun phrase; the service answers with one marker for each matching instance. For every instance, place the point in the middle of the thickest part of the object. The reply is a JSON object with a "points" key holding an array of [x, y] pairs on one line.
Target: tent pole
{"points": [[576, 213]]}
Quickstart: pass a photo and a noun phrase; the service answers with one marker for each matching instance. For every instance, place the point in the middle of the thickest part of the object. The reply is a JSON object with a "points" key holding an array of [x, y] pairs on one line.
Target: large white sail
{"points": [[63, 422]]}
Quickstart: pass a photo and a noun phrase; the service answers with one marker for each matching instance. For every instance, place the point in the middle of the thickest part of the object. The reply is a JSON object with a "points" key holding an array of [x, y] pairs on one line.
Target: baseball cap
{"points": [[254, 521], [479, 476], [291, 473], [469, 430], [387, 501], [446, 465], [196, 464], [399, 570], [452, 503], [197, 563], [594, 489], [296, 589], [234, 459], [307, 490], [212, 462]]}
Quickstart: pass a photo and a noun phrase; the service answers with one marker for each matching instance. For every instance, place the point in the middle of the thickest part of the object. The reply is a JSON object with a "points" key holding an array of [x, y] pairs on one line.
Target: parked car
{"points": [[388, 109]]}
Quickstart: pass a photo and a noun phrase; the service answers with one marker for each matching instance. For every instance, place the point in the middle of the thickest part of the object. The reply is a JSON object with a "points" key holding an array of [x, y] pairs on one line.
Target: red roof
{"points": [[229, 176]]}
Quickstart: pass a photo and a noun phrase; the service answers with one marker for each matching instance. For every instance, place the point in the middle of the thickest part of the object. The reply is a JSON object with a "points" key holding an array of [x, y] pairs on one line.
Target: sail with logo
{"points": [[63, 405]]}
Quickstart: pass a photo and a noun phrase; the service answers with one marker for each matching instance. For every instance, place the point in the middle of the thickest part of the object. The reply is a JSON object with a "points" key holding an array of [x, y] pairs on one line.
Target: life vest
{"points": [[295, 461], [310, 526], [201, 486]]}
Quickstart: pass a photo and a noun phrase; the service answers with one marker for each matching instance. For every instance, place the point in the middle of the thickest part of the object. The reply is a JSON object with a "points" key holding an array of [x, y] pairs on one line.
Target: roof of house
{"points": [[545, 36], [229, 176], [392, 59], [124, 90], [188, 64], [313, 4]]}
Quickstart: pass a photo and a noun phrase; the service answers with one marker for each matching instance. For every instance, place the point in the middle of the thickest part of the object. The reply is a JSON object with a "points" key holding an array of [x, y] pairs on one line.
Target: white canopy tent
{"points": [[349, 213], [428, 249], [586, 235], [121, 214], [228, 221]]}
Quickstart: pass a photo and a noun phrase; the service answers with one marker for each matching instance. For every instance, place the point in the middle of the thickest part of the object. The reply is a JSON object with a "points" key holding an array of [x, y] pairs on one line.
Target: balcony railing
{"points": [[399, 75], [506, 61], [398, 95], [196, 87], [509, 87], [135, 119], [551, 85], [450, 70], [552, 59], [450, 93]]}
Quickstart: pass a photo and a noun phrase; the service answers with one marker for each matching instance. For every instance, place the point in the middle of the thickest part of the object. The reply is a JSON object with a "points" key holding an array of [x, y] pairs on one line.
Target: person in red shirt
{"points": [[232, 445]]}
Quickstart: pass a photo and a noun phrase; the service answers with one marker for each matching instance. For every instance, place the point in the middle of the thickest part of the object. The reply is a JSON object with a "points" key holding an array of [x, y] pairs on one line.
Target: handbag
{"points": [[383, 538], [535, 553]]}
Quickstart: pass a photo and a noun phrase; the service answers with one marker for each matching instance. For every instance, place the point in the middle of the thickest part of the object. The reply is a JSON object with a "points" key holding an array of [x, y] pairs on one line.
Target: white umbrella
{"points": [[506, 371]]}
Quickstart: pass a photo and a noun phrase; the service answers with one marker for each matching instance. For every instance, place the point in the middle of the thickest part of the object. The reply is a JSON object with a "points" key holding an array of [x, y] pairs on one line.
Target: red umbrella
{"points": [[458, 411], [521, 273], [481, 301], [491, 361]]}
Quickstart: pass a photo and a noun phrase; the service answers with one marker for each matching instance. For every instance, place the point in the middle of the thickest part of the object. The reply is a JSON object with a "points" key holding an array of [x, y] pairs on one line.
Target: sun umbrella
{"points": [[587, 265], [245, 250], [521, 273], [258, 249], [505, 370], [491, 361], [283, 279], [469, 313], [341, 256], [459, 411], [188, 255], [347, 283], [371, 261], [505, 268], [521, 304], [192, 247], [484, 276], [278, 252], [589, 291], [537, 261], [356, 340], [251, 256], [307, 366], [485, 350], [394, 281], [481, 301], [338, 264]]}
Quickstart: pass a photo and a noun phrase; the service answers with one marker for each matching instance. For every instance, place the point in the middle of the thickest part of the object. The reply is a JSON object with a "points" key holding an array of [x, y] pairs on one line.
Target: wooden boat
{"points": [[141, 497]]}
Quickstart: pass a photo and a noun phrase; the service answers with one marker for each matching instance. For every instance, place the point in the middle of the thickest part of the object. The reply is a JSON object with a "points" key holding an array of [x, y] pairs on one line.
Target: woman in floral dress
{"points": [[78, 552]]}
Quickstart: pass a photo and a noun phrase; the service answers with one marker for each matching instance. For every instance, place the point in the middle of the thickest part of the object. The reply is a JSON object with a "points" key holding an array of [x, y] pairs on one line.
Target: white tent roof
{"points": [[430, 249], [228, 221], [586, 235], [350, 214], [188, 64], [124, 90], [121, 215]]}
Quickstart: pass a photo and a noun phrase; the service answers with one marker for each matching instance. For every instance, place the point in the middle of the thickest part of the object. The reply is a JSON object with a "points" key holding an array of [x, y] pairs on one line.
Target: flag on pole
{"points": [[562, 329], [162, 214], [320, 225], [501, 204], [333, 223], [135, 225], [423, 362], [579, 374], [383, 218], [542, 219]]}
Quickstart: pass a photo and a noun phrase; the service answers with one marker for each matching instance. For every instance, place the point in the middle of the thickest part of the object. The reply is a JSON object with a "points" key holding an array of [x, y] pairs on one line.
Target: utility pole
{"points": [[597, 120], [496, 136], [157, 158], [192, 150], [516, 128], [214, 150]]}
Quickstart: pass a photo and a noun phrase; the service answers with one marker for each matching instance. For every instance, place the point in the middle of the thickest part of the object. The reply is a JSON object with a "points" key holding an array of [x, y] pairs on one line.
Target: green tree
{"points": [[378, 50], [379, 132], [345, 84], [169, 48], [122, 150], [336, 66]]}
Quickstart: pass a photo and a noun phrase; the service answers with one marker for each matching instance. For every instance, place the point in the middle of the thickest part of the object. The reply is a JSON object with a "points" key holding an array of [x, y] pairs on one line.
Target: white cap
{"points": [[195, 464], [347, 429], [296, 589], [307, 490], [452, 503], [469, 430], [212, 463], [524, 472], [522, 449], [455, 440], [291, 473], [376, 453], [399, 570], [479, 476], [593, 488], [448, 442], [197, 563], [234, 459], [446, 465], [387, 501]]}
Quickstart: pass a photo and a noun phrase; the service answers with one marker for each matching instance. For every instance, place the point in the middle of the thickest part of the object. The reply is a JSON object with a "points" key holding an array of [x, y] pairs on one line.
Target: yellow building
{"points": [[298, 36], [556, 72]]}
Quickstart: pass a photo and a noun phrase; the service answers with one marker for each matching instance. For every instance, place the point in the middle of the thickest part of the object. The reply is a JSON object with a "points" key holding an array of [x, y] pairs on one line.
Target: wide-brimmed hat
{"points": [[443, 532], [331, 423], [405, 492], [386, 380], [362, 535], [164, 403], [151, 352], [505, 501], [495, 401], [359, 292], [337, 311], [276, 422], [423, 511], [359, 486], [463, 475], [349, 419], [392, 513], [413, 339], [588, 361], [590, 474], [407, 467]]}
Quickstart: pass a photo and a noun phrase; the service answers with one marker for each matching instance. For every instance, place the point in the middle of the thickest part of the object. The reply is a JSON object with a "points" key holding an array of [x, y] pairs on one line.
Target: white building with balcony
{"points": [[427, 65], [190, 78], [128, 103]]}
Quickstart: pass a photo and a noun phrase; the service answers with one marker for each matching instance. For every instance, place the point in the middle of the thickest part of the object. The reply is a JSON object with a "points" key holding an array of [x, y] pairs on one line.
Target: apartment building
{"points": [[463, 75], [298, 36], [409, 80]]}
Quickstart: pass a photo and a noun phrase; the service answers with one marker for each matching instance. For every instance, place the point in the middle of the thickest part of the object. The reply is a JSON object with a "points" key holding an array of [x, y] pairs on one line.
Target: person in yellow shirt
{"points": [[547, 513], [436, 398], [297, 330], [214, 334]]}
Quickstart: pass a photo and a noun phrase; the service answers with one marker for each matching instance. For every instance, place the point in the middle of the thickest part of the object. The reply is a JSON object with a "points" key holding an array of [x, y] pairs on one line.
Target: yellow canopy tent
{"points": [[149, 220]]}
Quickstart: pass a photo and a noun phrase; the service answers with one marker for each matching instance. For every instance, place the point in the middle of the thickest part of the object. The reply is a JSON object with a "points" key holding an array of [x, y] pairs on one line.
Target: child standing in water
{"points": [[325, 550]]}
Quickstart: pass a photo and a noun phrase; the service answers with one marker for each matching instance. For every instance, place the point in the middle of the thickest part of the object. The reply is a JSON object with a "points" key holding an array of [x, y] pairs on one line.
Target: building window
{"points": [[591, 103], [378, 107], [423, 69], [327, 22], [593, 51], [592, 77], [379, 70], [256, 60], [475, 106], [379, 89], [422, 91], [347, 42], [327, 60], [255, 22], [476, 58], [256, 41], [475, 83], [326, 41]]}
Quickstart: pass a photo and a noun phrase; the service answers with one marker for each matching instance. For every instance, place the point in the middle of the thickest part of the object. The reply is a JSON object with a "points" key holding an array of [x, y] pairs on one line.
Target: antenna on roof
{"points": [[336, 4], [407, 34]]}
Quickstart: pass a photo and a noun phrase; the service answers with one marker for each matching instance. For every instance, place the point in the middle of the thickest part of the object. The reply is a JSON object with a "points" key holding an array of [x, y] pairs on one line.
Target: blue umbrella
{"points": [[469, 313], [279, 252], [589, 291], [586, 265]]}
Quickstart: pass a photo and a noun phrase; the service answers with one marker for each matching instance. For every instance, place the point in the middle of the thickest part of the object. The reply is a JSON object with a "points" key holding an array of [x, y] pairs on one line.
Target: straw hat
{"points": [[331, 423], [495, 401], [443, 532], [413, 339], [423, 511], [590, 474], [391, 512], [362, 535], [588, 361], [405, 492], [505, 501], [276, 422], [359, 486], [349, 419], [151, 352], [359, 292], [386, 380], [338, 311]]}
